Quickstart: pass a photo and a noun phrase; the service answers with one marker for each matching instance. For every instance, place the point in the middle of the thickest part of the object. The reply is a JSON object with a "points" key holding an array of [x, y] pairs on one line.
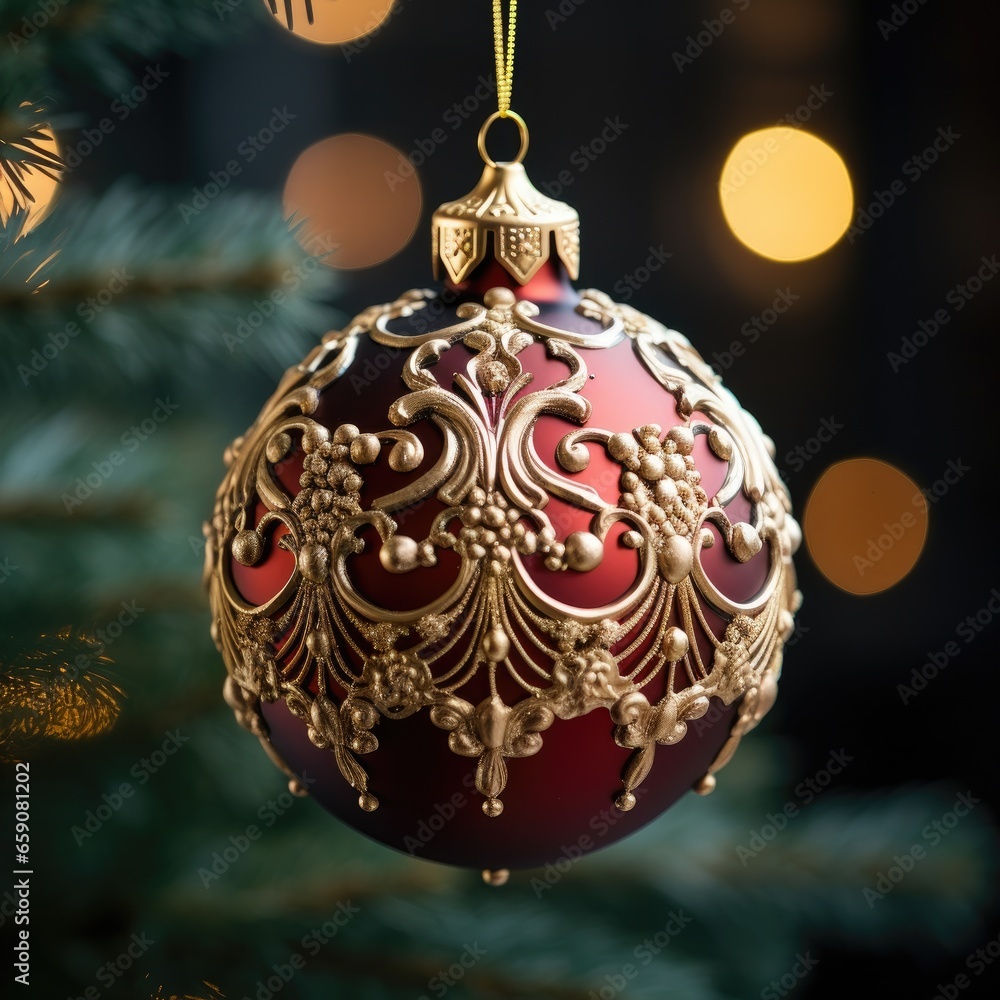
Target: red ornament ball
{"points": [[505, 569], [501, 570]]}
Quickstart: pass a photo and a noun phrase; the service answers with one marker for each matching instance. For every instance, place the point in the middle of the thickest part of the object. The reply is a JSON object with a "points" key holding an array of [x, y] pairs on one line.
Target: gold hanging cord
{"points": [[505, 81], [505, 61]]}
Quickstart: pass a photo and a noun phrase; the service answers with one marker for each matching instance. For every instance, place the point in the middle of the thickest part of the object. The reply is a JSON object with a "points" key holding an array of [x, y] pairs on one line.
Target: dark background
{"points": [[656, 186]]}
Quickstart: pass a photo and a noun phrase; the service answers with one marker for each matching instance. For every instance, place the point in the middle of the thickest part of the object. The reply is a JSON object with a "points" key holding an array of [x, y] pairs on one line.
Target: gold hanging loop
{"points": [[522, 130], [504, 214]]}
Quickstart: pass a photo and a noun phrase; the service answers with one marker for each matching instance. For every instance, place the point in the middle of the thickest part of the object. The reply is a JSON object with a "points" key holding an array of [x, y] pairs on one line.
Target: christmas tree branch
{"points": [[93, 40], [230, 279]]}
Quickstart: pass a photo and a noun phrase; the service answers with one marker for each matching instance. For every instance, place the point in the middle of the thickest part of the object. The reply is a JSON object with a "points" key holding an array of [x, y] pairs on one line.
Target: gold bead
{"points": [[584, 551], [247, 548], [652, 468], [675, 644], [494, 517], [365, 449], [496, 645], [499, 297], [675, 466], [314, 562], [676, 559], [622, 446], [682, 438], [706, 785], [399, 554], [345, 434], [318, 643], [625, 802]]}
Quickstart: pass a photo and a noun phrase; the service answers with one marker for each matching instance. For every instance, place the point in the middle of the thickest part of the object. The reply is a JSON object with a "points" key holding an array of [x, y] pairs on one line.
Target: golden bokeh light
{"points": [[791, 30], [355, 200], [58, 690], [786, 194], [30, 187], [330, 22], [865, 525]]}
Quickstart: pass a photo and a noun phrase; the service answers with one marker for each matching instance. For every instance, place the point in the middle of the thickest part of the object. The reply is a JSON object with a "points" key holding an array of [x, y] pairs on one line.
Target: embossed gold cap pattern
{"points": [[523, 223]]}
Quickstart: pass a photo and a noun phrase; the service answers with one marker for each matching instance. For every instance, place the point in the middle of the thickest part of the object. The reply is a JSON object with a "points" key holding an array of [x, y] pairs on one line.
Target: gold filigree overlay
{"points": [[342, 664]]}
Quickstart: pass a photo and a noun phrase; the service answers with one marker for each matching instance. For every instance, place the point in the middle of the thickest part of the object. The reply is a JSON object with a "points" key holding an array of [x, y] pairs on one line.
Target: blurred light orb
{"points": [[356, 200], [330, 22], [785, 193], [865, 525], [790, 30], [40, 185]]}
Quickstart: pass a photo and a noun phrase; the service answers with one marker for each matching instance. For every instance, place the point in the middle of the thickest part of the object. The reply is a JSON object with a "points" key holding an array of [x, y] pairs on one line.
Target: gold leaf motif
{"points": [[493, 491]]}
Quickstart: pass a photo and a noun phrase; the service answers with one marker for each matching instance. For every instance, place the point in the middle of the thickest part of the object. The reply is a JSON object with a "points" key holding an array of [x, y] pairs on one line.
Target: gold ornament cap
{"points": [[524, 223]]}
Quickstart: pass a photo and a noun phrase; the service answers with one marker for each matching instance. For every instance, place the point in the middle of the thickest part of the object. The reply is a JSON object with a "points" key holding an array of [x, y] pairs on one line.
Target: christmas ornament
{"points": [[501, 569]]}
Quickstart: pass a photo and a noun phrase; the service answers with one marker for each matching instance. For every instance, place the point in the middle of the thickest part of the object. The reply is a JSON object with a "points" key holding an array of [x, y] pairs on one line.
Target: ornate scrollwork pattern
{"points": [[342, 663]]}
